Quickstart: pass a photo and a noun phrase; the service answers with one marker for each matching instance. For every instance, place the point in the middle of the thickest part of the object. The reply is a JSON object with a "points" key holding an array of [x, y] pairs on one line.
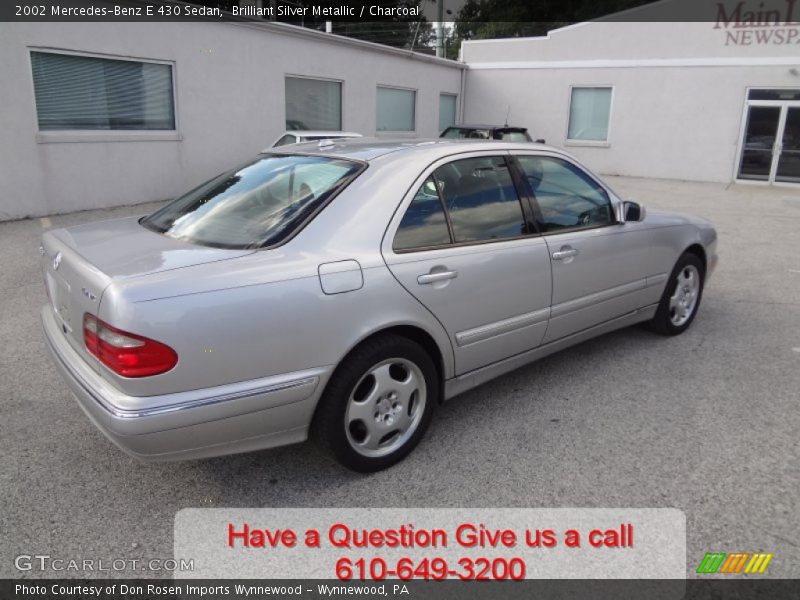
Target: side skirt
{"points": [[467, 381]]}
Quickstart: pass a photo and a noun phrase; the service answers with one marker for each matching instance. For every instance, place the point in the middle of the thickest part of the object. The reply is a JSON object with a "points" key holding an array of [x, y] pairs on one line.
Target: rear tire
{"points": [[377, 404], [681, 298]]}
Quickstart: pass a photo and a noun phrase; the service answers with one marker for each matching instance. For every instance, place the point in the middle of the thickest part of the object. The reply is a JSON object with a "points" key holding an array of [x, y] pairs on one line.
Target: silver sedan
{"points": [[345, 289]]}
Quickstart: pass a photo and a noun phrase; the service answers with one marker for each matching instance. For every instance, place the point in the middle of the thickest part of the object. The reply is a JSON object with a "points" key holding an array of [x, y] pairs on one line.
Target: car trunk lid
{"points": [[123, 248], [79, 263]]}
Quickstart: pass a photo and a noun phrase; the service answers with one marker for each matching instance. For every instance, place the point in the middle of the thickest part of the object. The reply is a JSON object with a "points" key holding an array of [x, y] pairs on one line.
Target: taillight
{"points": [[124, 353]]}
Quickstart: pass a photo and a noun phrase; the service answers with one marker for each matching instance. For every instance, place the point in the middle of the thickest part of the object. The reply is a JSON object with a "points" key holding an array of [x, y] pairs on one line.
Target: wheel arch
{"points": [[700, 252], [416, 334]]}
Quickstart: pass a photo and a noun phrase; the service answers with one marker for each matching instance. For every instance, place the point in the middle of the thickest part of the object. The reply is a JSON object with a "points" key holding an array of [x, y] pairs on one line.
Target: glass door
{"points": [[788, 169], [761, 133]]}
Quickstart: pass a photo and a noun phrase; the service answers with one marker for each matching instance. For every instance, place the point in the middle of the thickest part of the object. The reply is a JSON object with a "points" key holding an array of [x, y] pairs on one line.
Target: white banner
{"points": [[432, 543]]}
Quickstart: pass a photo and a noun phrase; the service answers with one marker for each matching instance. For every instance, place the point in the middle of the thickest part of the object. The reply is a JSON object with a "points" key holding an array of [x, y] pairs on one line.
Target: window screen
{"points": [[447, 111], [589, 114], [395, 110], [313, 104], [82, 92]]}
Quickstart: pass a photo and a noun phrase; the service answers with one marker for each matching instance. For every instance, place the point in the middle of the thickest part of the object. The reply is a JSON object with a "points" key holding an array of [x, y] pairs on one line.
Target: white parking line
{"points": [[45, 221]]}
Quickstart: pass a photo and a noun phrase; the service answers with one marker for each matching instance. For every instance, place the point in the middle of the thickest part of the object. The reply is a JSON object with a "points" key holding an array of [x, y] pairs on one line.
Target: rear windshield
{"points": [[508, 134], [261, 203], [468, 133], [512, 135]]}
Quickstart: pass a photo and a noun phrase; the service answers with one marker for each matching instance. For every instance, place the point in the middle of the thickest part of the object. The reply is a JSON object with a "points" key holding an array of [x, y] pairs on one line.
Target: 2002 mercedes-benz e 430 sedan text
{"points": [[345, 289]]}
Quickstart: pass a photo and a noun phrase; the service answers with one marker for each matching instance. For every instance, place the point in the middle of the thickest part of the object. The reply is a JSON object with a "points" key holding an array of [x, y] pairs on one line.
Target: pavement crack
{"points": [[766, 302], [783, 539]]}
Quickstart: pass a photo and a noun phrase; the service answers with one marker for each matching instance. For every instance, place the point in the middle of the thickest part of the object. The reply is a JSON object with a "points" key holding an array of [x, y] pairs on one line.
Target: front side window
{"points": [[567, 197], [313, 104], [259, 204], [87, 93], [424, 223], [589, 114], [395, 109], [481, 199]]}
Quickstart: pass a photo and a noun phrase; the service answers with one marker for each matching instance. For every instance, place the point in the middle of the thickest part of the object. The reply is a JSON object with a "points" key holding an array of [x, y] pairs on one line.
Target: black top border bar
{"points": [[723, 13]]}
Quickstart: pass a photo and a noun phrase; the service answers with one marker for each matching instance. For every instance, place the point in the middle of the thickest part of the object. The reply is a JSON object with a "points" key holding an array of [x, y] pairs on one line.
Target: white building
{"points": [[105, 114], [698, 101]]}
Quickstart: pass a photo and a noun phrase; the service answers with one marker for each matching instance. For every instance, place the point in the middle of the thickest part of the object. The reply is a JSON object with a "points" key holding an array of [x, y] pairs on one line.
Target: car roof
{"points": [[486, 127], [320, 132], [368, 149]]}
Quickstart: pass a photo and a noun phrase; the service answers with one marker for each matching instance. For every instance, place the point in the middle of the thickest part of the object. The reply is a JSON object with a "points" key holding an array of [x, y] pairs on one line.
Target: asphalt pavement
{"points": [[706, 422]]}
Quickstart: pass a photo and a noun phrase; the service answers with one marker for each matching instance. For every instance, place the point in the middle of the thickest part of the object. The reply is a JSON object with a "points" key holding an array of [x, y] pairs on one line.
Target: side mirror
{"points": [[632, 212]]}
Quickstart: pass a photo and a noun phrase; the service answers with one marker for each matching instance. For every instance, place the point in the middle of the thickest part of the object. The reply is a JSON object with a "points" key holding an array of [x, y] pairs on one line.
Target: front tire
{"points": [[377, 404], [681, 298]]}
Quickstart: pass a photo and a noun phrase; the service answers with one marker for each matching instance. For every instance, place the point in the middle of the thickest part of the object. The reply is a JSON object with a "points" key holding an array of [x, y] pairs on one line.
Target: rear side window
{"points": [[567, 197], [424, 223], [468, 200], [261, 203], [481, 199]]}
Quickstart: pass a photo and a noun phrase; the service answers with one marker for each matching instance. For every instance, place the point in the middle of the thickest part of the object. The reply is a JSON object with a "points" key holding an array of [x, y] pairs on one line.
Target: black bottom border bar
{"points": [[259, 589]]}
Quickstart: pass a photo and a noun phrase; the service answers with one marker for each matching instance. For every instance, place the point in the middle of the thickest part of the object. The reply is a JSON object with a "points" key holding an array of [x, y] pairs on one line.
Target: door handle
{"points": [[565, 253], [434, 277]]}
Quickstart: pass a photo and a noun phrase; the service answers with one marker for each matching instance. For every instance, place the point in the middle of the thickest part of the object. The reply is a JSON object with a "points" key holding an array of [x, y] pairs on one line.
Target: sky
{"points": [[429, 9]]}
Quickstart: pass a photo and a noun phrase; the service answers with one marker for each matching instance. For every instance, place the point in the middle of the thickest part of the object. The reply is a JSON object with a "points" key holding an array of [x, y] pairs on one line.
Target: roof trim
{"points": [[755, 61]]}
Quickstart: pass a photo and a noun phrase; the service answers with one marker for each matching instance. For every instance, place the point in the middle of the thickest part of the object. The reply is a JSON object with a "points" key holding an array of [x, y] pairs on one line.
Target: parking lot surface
{"points": [[706, 422]]}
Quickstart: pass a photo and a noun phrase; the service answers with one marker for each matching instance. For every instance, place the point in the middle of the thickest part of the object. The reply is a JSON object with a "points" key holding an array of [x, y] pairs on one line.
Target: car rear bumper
{"points": [[239, 417]]}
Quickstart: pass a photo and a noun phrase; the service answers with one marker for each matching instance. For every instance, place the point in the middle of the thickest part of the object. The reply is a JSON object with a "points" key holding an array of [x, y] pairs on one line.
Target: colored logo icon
{"points": [[738, 562]]}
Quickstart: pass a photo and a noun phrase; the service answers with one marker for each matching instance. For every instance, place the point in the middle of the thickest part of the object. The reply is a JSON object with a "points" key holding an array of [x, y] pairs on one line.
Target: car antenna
{"points": [[508, 113]]}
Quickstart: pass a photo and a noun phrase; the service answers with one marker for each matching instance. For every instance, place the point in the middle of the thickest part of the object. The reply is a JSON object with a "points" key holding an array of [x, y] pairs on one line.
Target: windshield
{"points": [[259, 204]]}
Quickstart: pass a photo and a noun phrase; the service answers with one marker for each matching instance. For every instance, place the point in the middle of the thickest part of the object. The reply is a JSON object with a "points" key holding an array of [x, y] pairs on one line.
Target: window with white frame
{"points": [[447, 111], [589, 114], [75, 92], [395, 109], [313, 104]]}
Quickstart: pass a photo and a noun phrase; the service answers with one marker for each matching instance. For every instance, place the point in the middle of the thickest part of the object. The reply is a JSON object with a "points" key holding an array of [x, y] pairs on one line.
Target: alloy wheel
{"points": [[683, 301], [385, 407]]}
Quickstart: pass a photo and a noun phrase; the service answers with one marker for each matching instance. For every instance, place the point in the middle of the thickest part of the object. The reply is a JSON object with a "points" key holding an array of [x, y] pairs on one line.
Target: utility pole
{"points": [[440, 28]]}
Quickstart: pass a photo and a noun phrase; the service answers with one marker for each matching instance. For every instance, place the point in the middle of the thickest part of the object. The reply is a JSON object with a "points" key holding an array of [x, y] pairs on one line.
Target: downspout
{"points": [[462, 96]]}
